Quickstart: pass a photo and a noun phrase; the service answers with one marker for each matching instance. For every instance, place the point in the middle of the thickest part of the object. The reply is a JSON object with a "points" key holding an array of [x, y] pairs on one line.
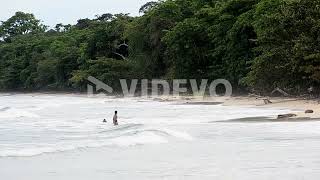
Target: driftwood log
{"points": [[267, 101], [309, 111], [284, 116]]}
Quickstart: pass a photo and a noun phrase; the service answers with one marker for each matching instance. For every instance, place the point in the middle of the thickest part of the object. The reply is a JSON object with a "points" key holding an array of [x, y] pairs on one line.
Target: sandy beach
{"points": [[299, 105], [291, 103]]}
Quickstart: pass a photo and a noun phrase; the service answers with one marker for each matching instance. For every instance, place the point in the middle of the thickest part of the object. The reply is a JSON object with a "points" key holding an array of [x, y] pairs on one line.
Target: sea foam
{"points": [[32, 125]]}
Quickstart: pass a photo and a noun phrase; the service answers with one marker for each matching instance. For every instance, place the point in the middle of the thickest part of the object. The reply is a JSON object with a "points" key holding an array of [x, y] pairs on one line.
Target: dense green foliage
{"points": [[258, 45]]}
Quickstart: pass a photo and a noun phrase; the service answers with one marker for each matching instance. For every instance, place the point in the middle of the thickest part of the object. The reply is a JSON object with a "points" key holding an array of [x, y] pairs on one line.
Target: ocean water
{"points": [[168, 140], [35, 124]]}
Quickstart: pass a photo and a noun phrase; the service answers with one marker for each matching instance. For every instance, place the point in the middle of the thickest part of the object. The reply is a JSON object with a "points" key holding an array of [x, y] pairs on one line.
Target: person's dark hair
{"points": [[116, 112]]}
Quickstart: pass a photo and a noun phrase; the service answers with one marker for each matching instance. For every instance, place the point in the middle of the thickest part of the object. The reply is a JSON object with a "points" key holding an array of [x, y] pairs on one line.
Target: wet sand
{"points": [[268, 119], [298, 105]]}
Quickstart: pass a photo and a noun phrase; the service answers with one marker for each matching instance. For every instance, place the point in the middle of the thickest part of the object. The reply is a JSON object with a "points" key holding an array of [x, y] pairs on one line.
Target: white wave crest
{"points": [[8, 112]]}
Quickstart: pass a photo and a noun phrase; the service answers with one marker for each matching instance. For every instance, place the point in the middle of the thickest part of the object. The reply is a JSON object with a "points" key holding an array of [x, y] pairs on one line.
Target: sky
{"points": [[52, 12]]}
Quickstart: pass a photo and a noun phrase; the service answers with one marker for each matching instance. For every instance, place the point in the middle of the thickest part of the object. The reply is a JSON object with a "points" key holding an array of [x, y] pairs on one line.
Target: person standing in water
{"points": [[115, 118]]}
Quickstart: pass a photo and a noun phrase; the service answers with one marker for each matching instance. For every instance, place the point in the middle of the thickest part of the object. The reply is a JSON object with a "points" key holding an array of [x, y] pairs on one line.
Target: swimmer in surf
{"points": [[115, 118]]}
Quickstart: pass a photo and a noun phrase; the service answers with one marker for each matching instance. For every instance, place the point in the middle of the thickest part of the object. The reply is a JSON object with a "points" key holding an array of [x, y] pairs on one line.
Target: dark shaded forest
{"points": [[258, 45]]}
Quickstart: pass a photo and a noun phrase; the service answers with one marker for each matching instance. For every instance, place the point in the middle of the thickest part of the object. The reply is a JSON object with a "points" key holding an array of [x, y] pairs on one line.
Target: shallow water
{"points": [[35, 124], [155, 140]]}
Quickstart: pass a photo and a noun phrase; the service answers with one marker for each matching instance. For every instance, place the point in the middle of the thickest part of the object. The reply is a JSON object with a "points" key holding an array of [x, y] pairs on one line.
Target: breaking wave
{"points": [[122, 136]]}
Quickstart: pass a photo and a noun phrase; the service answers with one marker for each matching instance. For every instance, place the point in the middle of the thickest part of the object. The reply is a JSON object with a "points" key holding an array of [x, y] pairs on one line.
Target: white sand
{"points": [[292, 103], [300, 105]]}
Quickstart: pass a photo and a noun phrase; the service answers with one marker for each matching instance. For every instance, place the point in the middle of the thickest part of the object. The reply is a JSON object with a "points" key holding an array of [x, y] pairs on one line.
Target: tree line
{"points": [[258, 45]]}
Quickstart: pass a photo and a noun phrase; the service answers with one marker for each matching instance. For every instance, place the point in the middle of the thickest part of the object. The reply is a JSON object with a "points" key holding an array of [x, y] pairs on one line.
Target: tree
{"points": [[147, 7], [104, 17], [105, 69], [288, 46], [145, 35], [20, 24], [213, 43], [258, 45], [83, 23]]}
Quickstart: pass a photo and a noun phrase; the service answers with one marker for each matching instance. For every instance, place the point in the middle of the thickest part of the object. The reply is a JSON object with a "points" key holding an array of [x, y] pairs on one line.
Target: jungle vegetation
{"points": [[258, 45]]}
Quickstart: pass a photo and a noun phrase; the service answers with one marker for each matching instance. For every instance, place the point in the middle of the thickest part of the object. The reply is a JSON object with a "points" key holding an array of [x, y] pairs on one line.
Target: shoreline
{"points": [[85, 149], [297, 105]]}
